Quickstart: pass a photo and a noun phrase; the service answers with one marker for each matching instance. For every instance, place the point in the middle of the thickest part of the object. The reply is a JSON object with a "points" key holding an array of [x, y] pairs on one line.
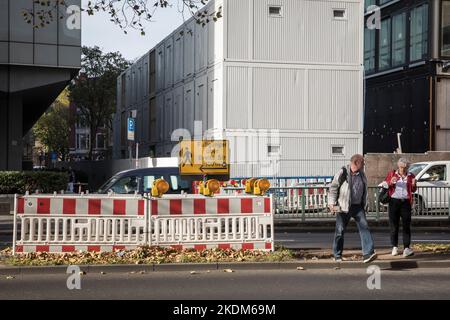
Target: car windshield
{"points": [[104, 188], [125, 185], [416, 168]]}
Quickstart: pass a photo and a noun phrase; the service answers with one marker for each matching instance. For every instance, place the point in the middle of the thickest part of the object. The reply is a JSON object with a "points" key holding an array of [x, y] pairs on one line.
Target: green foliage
{"points": [[19, 182], [53, 129], [94, 89]]}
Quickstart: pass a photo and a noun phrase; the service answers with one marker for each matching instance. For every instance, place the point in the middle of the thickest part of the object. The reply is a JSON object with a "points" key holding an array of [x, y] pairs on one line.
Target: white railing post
{"points": [[15, 225]]}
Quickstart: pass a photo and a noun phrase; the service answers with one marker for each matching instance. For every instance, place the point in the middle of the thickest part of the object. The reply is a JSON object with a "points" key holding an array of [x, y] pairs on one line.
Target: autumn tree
{"points": [[93, 91], [52, 129]]}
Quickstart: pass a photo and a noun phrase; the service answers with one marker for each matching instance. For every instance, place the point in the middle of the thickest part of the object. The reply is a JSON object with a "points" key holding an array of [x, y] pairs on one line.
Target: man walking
{"points": [[348, 199]]}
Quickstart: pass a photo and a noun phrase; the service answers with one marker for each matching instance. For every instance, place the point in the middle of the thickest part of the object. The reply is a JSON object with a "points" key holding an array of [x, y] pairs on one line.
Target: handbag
{"points": [[383, 193], [383, 196]]}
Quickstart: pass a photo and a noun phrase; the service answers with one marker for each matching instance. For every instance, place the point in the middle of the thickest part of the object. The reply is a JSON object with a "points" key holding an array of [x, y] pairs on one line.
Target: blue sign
{"points": [[131, 128], [54, 156]]}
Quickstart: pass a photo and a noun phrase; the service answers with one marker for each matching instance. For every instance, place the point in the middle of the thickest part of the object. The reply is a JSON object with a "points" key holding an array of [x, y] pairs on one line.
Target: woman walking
{"points": [[401, 187]]}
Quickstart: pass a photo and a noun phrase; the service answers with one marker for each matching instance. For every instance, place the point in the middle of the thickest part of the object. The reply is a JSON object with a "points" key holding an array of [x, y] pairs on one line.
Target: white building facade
{"points": [[282, 80]]}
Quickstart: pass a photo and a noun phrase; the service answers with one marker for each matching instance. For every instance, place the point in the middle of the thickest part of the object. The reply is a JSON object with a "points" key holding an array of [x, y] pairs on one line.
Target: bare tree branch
{"points": [[126, 14]]}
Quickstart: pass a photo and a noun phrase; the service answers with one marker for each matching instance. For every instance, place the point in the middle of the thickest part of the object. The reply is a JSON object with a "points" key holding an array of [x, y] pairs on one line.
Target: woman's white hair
{"points": [[404, 161]]}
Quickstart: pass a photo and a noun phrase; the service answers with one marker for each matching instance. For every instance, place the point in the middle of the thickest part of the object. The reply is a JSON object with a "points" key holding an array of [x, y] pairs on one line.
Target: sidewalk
{"points": [[305, 260]]}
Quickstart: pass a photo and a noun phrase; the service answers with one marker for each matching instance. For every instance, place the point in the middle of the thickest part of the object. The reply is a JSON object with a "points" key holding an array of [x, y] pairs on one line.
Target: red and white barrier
{"points": [[219, 222], [315, 198], [84, 205], [71, 223], [61, 223], [193, 205]]}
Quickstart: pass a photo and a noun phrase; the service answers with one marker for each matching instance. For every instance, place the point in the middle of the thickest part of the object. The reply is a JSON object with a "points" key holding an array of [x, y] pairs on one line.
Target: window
{"points": [[174, 182], [339, 14], [337, 150], [369, 3], [101, 141], [148, 182], [135, 88], [398, 39], [122, 95], [419, 33], [415, 169], [435, 173], [445, 28], [127, 185], [369, 50], [273, 150], [81, 121], [275, 11], [82, 141], [384, 56]]}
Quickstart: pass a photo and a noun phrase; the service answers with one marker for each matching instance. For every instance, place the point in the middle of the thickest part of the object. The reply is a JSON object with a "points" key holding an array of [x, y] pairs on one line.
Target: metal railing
{"points": [[311, 202]]}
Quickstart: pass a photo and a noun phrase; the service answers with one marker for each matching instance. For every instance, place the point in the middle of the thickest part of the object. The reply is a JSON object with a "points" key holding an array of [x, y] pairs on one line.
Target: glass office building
{"points": [[36, 64], [407, 75]]}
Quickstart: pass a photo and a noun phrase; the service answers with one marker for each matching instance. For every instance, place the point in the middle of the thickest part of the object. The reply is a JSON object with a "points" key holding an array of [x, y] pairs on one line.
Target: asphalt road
{"points": [[296, 240], [273, 285], [324, 240]]}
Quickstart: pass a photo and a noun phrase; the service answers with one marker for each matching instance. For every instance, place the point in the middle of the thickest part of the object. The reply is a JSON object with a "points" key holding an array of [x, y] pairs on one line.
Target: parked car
{"points": [[39, 168], [433, 184], [141, 181]]}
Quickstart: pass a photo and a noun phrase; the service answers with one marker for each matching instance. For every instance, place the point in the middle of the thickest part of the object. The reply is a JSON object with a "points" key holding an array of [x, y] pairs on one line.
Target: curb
{"points": [[240, 266]]}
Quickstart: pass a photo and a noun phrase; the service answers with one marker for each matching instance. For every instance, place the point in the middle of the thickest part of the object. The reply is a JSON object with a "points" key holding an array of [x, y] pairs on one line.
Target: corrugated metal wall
{"points": [[298, 76], [301, 154], [293, 98], [178, 95], [306, 31], [178, 56], [215, 98], [237, 102], [189, 49], [201, 47], [189, 109], [160, 71], [237, 24], [201, 100]]}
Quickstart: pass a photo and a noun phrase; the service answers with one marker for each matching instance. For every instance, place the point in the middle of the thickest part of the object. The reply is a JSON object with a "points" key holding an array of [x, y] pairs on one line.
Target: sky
{"points": [[98, 30]]}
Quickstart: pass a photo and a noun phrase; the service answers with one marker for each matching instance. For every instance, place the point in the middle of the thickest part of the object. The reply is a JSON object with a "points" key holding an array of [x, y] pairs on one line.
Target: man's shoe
{"points": [[370, 258], [395, 251], [338, 259], [408, 252]]}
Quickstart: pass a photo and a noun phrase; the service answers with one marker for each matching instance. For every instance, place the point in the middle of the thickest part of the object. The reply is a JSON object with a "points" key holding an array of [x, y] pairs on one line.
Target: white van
{"points": [[433, 182]]}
